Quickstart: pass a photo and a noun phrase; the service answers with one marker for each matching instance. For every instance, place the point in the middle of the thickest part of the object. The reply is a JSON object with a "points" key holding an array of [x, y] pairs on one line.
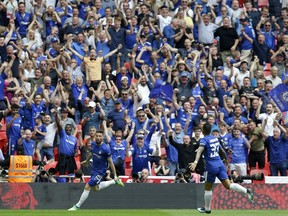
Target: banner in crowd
{"points": [[280, 96], [164, 92]]}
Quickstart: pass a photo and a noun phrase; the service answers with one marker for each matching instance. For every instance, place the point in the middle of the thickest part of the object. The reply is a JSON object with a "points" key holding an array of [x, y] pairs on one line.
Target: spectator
{"points": [[162, 169], [228, 38], [276, 149], [139, 153], [67, 148], [14, 127], [238, 147], [257, 152], [92, 118]]}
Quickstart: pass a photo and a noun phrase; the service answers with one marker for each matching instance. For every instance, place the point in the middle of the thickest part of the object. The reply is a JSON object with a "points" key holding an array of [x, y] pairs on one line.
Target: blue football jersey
{"points": [[211, 152], [100, 155]]}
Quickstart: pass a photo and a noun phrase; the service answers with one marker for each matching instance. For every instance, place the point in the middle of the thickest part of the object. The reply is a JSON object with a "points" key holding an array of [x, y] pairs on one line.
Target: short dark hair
{"points": [[197, 128], [206, 129], [100, 131]]}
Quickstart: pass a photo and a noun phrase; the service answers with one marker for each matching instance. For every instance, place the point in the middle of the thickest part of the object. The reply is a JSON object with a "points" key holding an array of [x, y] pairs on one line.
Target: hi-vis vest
{"points": [[20, 169]]}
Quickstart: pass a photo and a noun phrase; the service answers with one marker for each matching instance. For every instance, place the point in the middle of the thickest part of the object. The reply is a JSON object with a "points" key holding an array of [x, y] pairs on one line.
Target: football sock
{"points": [[105, 184], [208, 198], [83, 197], [238, 188]]}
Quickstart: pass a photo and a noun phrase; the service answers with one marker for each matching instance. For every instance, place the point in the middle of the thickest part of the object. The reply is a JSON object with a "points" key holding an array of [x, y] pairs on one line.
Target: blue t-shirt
{"points": [[23, 21], [230, 120], [28, 146], [68, 143], [100, 155], [140, 158], [15, 130], [117, 117], [41, 128], [226, 138], [239, 150], [131, 38], [36, 110], [66, 15], [27, 118], [94, 120], [83, 8], [211, 153], [245, 44], [277, 149], [2, 80], [182, 119], [118, 150], [76, 90]]}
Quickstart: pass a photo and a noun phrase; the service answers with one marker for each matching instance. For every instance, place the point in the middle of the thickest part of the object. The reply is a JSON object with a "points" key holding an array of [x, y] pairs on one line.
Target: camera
{"points": [[184, 175], [236, 178], [137, 177]]}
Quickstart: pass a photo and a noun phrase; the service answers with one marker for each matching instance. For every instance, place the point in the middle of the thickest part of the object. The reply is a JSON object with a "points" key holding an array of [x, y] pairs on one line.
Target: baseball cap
{"points": [[117, 101], [185, 74], [124, 77], [220, 68], [39, 117], [54, 40], [244, 19], [140, 136], [91, 104]]}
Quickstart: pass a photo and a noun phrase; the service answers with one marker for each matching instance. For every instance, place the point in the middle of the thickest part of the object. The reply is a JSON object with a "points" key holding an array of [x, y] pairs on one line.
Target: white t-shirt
{"points": [[144, 93], [270, 119], [50, 134], [240, 77], [155, 141], [164, 21], [275, 81], [206, 33]]}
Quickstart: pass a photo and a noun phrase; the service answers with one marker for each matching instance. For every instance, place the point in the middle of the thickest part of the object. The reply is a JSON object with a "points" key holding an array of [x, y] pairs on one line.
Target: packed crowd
{"points": [[71, 70]]}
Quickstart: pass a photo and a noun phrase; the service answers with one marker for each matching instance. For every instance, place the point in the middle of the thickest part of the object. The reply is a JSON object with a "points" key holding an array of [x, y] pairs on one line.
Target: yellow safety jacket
{"points": [[20, 169]]}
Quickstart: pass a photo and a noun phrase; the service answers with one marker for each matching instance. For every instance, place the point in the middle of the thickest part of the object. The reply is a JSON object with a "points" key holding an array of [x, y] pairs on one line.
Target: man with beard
{"points": [[269, 115], [85, 149], [101, 155], [186, 152], [257, 150], [67, 148]]}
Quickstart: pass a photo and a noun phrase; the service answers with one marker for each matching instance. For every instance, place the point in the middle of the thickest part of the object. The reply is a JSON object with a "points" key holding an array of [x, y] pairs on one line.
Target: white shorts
{"points": [[241, 168]]}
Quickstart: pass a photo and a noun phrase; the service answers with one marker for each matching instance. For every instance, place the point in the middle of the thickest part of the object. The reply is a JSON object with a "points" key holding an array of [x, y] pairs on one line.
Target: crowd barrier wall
{"points": [[138, 196]]}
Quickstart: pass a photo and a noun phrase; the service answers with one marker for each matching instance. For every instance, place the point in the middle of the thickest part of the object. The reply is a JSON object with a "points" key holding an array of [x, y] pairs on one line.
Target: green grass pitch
{"points": [[154, 212]]}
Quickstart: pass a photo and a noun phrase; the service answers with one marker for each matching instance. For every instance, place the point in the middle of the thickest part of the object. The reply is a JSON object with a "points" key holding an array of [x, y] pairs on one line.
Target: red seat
{"points": [[262, 3], [128, 162], [128, 172], [163, 151], [56, 156], [3, 128], [3, 141]]}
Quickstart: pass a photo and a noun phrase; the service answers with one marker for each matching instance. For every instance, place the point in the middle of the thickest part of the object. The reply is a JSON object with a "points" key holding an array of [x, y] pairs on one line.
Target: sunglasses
{"points": [[141, 115]]}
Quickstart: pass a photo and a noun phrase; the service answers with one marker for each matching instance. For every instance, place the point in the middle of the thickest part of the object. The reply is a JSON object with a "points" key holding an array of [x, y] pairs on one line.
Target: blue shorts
{"points": [[95, 180], [13, 144], [220, 173], [48, 152]]}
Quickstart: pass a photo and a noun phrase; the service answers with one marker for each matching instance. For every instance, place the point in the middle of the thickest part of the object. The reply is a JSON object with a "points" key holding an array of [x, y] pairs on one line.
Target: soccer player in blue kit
{"points": [[214, 168], [101, 156]]}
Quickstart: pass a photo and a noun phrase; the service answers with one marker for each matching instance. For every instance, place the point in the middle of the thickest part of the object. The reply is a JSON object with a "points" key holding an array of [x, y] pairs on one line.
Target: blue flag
{"points": [[280, 96], [164, 92]]}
